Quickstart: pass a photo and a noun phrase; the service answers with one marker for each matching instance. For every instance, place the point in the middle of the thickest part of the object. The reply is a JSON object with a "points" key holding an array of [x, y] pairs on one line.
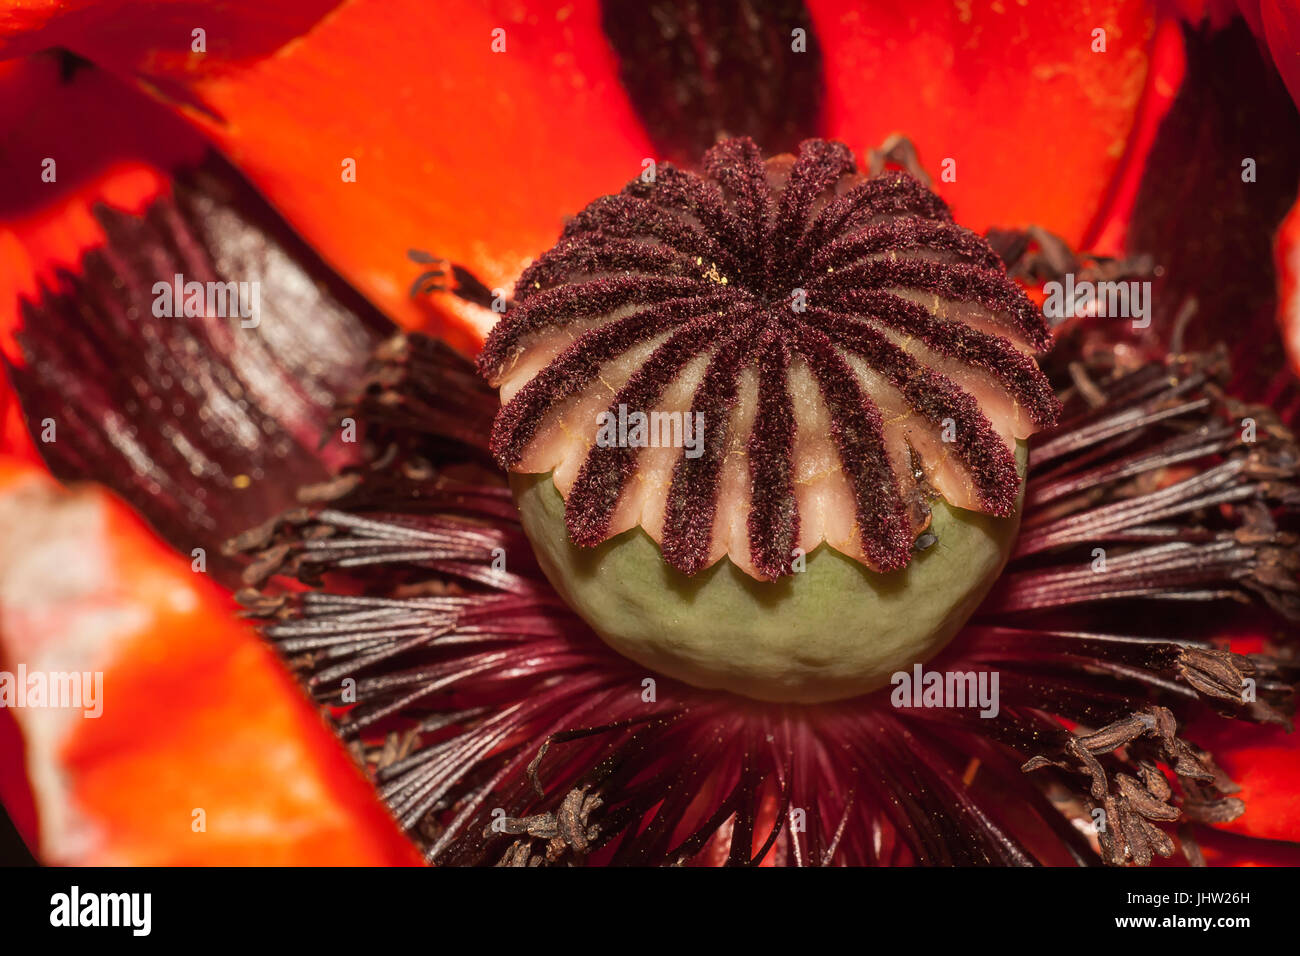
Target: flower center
{"points": [[770, 357]]}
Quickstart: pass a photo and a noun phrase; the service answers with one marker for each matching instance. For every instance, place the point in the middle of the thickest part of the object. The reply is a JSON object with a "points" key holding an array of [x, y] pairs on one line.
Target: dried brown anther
{"points": [[1134, 802], [1037, 255], [568, 832]]}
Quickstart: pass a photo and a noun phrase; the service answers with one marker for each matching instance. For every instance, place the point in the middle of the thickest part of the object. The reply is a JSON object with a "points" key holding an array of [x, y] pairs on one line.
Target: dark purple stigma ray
{"points": [[894, 194], [590, 256], [819, 167], [562, 305], [738, 166], [988, 460], [579, 364], [692, 501], [596, 491], [686, 193], [773, 509], [628, 217], [906, 233], [988, 288], [997, 356], [885, 528]]}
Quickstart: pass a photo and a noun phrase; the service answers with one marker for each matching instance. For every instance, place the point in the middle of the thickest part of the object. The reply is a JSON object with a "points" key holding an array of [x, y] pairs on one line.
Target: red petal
{"points": [[45, 226], [157, 38], [15, 441], [1231, 849], [1036, 122], [1265, 763], [203, 715], [472, 155], [1281, 26], [1109, 232], [1288, 277], [104, 366], [198, 714], [15, 792]]}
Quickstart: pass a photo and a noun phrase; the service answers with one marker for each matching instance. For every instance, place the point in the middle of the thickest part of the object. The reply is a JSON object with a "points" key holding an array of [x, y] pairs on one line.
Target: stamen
{"points": [[478, 691], [1121, 479]]}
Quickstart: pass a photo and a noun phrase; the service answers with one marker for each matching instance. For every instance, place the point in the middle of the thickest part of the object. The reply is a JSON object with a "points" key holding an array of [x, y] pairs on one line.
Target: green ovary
{"points": [[835, 630]]}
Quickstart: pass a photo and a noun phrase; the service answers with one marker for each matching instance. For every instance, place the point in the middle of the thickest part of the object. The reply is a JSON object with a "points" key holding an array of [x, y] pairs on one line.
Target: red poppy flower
{"points": [[455, 708]]}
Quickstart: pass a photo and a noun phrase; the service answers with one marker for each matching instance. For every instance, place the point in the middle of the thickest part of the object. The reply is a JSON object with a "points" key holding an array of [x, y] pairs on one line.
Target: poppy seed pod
{"points": [[825, 378]]}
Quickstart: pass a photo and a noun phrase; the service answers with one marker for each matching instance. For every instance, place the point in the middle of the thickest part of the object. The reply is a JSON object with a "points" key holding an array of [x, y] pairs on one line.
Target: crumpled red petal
{"points": [[133, 778], [205, 750]]}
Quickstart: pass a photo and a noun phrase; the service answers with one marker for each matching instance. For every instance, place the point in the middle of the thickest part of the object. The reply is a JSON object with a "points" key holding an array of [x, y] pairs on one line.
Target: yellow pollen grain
{"points": [[241, 481], [713, 275]]}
